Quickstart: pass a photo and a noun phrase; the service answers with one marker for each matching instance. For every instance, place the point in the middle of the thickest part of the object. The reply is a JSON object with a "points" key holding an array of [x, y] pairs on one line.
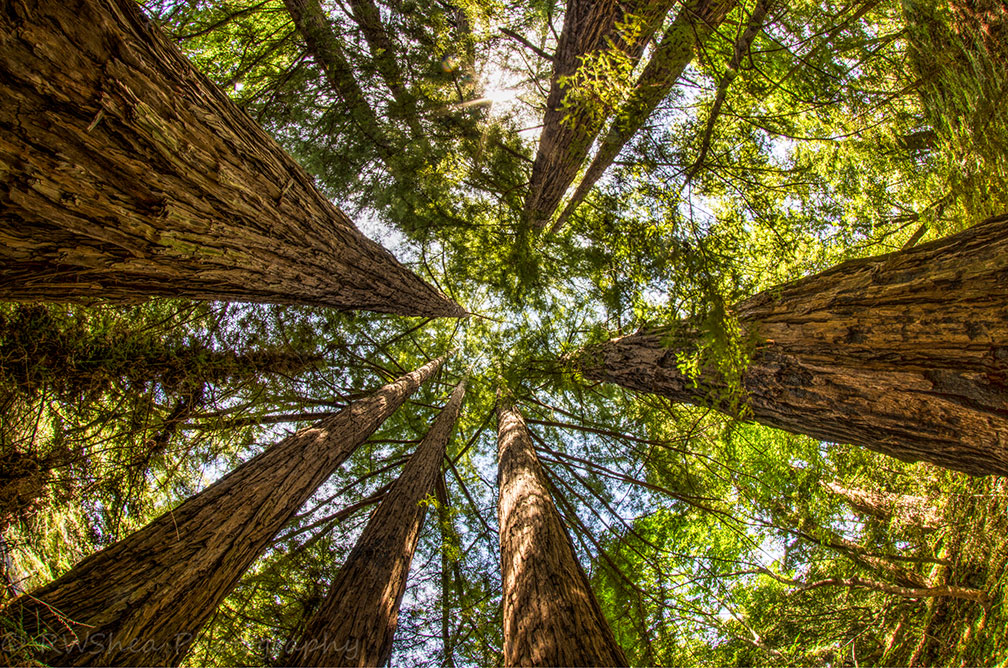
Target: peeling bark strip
{"points": [[589, 26], [143, 600], [693, 25], [905, 353], [129, 174], [357, 621], [551, 616]]}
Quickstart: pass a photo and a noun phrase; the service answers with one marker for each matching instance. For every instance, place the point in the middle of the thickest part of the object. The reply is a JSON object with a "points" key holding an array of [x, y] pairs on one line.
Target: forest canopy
{"points": [[714, 291]]}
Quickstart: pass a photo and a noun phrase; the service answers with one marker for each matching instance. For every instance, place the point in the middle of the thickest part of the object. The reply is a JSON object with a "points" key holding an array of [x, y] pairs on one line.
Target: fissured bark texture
{"points": [[356, 623], [905, 353], [129, 174], [551, 616], [142, 600]]}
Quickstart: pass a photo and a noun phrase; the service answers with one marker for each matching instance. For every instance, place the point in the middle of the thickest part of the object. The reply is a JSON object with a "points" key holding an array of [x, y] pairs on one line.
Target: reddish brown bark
{"points": [[142, 600], [902, 353], [356, 622], [693, 25], [129, 174], [551, 616], [568, 131]]}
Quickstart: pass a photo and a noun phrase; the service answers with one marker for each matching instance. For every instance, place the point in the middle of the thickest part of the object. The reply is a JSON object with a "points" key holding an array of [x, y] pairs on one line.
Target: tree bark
{"points": [[142, 600], [902, 353], [692, 27], [906, 511], [551, 616], [568, 132], [356, 622], [130, 175]]}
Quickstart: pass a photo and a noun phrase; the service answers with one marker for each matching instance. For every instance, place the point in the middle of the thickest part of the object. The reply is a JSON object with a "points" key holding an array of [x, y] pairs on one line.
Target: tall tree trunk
{"points": [[902, 353], [693, 25], [356, 623], [142, 600], [906, 511], [129, 175], [551, 616], [570, 126], [367, 16]]}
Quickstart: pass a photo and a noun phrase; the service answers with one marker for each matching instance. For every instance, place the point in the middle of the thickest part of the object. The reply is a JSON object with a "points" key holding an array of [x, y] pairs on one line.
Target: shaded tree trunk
{"points": [[356, 623], [570, 126], [551, 616], [129, 175], [902, 353], [693, 25], [906, 511], [142, 600]]}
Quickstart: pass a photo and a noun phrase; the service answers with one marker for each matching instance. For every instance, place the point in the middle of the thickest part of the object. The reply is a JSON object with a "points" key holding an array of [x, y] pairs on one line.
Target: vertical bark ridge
{"points": [[569, 132], [692, 27], [356, 623], [142, 600], [903, 353], [129, 174], [551, 616]]}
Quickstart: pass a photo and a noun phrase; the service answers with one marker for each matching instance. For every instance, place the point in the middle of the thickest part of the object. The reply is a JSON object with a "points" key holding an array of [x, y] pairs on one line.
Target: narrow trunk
{"points": [[365, 13], [571, 125], [551, 616], [142, 600], [130, 175], [906, 511], [356, 622], [902, 353], [693, 25]]}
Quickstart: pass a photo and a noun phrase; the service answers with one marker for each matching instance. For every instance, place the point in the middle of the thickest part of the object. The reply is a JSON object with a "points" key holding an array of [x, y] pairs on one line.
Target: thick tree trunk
{"points": [[129, 175], [693, 25], [356, 622], [903, 353], [569, 130], [142, 600], [551, 616]]}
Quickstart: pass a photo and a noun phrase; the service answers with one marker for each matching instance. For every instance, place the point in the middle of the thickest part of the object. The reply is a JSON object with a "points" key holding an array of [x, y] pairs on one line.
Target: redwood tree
{"points": [[693, 25], [142, 600], [570, 125], [903, 353], [129, 174], [356, 623], [551, 616]]}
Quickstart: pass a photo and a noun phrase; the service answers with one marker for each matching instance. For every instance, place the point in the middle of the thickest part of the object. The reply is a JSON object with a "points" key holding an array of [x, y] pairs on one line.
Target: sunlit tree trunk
{"points": [[902, 353], [906, 511], [570, 126], [693, 25], [356, 623], [142, 600], [129, 174], [551, 616]]}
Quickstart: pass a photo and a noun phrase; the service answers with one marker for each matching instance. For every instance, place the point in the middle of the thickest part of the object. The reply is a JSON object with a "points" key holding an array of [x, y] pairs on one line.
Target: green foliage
{"points": [[844, 132]]}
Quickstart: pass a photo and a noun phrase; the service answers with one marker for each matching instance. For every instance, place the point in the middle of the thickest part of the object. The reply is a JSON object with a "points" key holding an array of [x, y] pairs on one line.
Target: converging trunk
{"points": [[356, 622], [142, 600], [551, 616], [130, 175], [571, 125], [905, 353], [693, 25]]}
